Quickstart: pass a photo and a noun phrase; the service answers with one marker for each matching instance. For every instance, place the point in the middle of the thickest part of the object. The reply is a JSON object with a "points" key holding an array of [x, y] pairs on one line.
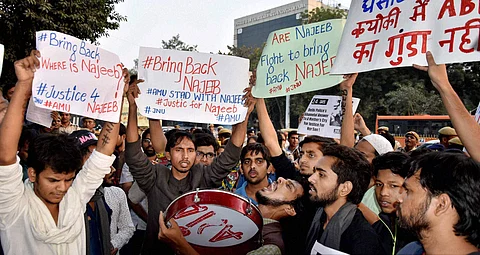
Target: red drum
{"points": [[217, 222]]}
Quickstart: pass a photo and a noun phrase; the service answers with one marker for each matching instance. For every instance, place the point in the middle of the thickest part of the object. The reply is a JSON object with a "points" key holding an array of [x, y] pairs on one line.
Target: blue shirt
{"points": [[242, 192], [95, 241], [241, 180]]}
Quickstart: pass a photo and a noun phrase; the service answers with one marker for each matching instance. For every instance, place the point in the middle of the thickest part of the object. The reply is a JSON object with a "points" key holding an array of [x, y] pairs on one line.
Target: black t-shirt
{"points": [[294, 229], [284, 167], [403, 236]]}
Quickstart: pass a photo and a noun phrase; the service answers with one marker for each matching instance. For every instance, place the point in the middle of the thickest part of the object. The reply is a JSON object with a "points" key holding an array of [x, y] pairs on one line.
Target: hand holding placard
{"points": [[77, 77], [192, 86], [437, 73], [299, 59]]}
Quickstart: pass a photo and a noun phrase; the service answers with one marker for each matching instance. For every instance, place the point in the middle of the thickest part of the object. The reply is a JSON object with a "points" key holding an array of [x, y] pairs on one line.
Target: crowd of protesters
{"points": [[67, 189]]}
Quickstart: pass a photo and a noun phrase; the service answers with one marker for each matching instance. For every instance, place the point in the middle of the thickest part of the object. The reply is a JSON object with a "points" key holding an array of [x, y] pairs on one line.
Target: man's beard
{"points": [[149, 152], [325, 199], [263, 200], [417, 220]]}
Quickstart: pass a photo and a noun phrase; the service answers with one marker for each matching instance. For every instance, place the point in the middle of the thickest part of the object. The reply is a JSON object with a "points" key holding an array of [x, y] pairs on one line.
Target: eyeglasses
{"points": [[147, 140], [209, 155]]}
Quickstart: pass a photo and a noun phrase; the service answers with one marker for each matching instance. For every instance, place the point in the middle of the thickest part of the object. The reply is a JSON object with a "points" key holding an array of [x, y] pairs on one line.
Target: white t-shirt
{"points": [[26, 225]]}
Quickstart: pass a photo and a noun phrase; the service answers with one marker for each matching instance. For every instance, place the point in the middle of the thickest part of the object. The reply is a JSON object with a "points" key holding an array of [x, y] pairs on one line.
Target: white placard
{"points": [[319, 248], [323, 116], [77, 77], [192, 86], [2, 52], [385, 34], [38, 115]]}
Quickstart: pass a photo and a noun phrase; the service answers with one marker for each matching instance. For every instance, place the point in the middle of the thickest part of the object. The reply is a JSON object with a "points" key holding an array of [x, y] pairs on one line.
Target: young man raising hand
{"points": [[44, 215]]}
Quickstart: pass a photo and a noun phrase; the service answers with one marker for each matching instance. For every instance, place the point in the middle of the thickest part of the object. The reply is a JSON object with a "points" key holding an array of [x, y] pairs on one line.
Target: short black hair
{"points": [[123, 130], [204, 139], [395, 161], [350, 165], [292, 133], [256, 148], [7, 87], [321, 141], [28, 135], [145, 133], [458, 176], [59, 152], [176, 137]]}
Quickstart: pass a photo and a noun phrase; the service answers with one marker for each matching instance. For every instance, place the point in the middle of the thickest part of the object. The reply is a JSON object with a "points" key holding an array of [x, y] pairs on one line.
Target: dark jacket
{"points": [[162, 188], [358, 238], [388, 234]]}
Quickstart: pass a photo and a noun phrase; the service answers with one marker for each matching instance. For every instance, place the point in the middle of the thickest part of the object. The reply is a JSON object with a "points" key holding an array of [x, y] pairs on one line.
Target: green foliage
{"points": [[253, 54], [176, 44], [19, 20], [321, 14], [412, 99]]}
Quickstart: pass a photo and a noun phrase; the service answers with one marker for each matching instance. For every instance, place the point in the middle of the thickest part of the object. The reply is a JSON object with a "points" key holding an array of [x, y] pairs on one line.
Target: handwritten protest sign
{"points": [[192, 86], [2, 50], [77, 77], [299, 59], [393, 33], [323, 116]]}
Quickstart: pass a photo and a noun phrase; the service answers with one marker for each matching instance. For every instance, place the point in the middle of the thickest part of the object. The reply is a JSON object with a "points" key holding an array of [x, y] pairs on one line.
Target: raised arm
{"points": [[239, 131], [224, 163], [141, 168], [159, 141], [347, 135], [269, 134], [360, 125], [467, 128], [108, 136], [132, 125], [11, 127]]}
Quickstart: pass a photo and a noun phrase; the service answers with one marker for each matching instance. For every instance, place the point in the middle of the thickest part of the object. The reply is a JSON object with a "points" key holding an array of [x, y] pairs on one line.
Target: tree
{"points": [[134, 70], [172, 44], [176, 44], [321, 14], [411, 98], [253, 54], [19, 20]]}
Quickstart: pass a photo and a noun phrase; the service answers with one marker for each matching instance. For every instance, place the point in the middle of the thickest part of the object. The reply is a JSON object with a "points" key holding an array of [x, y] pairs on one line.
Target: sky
{"points": [[206, 23]]}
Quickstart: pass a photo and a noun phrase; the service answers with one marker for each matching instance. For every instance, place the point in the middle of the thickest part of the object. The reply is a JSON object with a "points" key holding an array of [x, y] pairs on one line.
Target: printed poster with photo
{"points": [[323, 116]]}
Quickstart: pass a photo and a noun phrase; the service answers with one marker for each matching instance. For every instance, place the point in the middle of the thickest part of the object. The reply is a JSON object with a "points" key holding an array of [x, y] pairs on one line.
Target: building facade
{"points": [[253, 30]]}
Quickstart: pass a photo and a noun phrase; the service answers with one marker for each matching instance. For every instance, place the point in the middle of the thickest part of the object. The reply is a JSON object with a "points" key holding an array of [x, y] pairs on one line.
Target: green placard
{"points": [[299, 59]]}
